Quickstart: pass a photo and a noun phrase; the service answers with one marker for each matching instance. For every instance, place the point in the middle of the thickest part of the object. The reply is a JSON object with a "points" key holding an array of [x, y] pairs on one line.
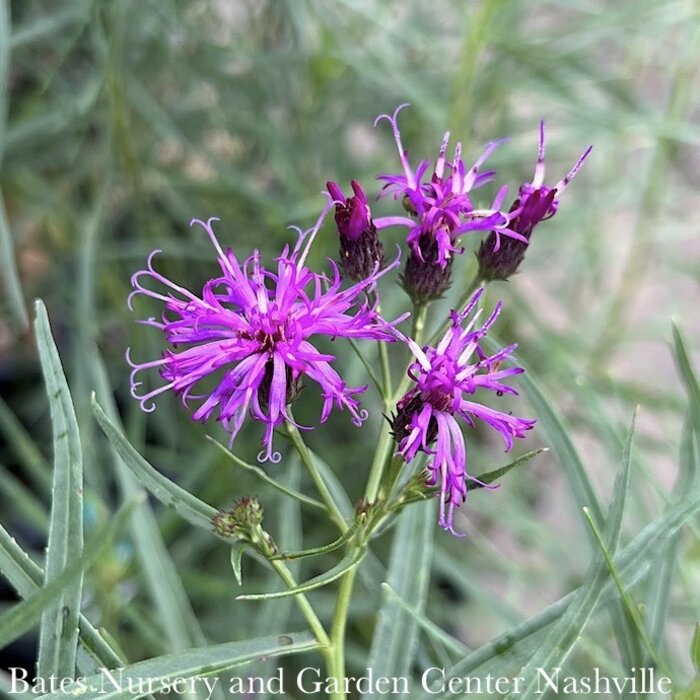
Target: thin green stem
{"points": [[386, 440], [310, 463], [420, 312], [307, 611], [386, 374], [386, 368], [338, 628]]}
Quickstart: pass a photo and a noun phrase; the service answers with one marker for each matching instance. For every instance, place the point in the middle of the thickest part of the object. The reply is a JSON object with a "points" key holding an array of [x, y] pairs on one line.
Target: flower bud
{"points": [[424, 279], [240, 520], [360, 248], [498, 257]]}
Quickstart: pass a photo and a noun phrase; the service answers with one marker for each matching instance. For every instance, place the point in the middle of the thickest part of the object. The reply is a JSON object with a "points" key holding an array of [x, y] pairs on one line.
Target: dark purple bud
{"points": [[360, 248], [500, 256], [424, 279]]}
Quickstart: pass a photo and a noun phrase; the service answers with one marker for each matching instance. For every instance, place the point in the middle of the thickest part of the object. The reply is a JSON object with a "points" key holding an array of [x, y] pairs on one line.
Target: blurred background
{"points": [[120, 121]]}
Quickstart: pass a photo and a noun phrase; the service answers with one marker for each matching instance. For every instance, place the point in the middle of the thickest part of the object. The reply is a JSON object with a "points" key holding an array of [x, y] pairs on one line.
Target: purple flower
{"points": [[250, 331], [360, 249], [445, 377], [536, 202], [441, 207]]}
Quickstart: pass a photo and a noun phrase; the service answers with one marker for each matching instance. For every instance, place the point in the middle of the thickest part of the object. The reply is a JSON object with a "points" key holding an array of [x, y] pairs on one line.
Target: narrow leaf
{"points": [[395, 637], [189, 507], [562, 638], [58, 636], [490, 477], [324, 549], [687, 374], [26, 578], [450, 642], [350, 561], [260, 473], [633, 563], [157, 674], [236, 557], [8, 267], [166, 589], [630, 606]]}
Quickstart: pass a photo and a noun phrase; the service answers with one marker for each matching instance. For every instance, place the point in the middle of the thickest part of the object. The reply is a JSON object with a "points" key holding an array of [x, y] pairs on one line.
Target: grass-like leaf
{"points": [[550, 420], [687, 375], [562, 638], [490, 477], [260, 473], [396, 633], [189, 507], [24, 500], [323, 549], [348, 562], [156, 673], [35, 465], [633, 563], [13, 290], [165, 586], [430, 628], [630, 605], [58, 637]]}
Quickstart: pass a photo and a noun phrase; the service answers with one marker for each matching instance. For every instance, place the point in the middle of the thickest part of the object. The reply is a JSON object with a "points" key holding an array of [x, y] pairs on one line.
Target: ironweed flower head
{"points": [[536, 202], [441, 210], [445, 377], [250, 331], [360, 248]]}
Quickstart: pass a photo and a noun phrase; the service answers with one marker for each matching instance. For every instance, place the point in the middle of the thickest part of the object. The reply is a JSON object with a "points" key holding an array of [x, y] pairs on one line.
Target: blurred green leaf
{"points": [[27, 579], [166, 590], [562, 638], [633, 563], [687, 374], [13, 288], [454, 645], [396, 632], [23, 616]]}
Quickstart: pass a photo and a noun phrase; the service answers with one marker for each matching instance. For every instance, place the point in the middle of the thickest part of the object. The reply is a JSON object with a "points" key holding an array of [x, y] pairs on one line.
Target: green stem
{"points": [[336, 666], [384, 362], [309, 461], [386, 440], [307, 611], [420, 312]]}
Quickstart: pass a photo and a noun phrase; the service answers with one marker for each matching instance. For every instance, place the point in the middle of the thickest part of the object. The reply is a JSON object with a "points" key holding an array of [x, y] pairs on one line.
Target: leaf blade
{"points": [[396, 635], [189, 664], [58, 636]]}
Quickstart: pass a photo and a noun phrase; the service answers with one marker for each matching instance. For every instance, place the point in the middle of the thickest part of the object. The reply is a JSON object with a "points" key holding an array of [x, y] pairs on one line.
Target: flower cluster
{"points": [[244, 345], [445, 377], [250, 330]]}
